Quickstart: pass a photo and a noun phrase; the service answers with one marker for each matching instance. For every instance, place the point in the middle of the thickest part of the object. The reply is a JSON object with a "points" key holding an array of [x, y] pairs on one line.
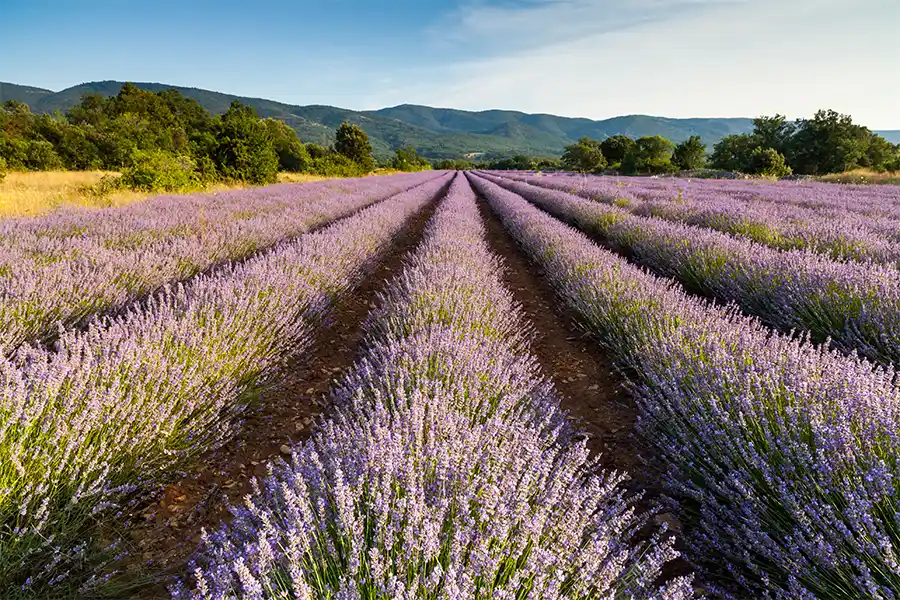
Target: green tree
{"points": [[351, 141], [769, 162], [879, 155], [292, 154], [774, 132], [650, 155], [160, 171], [244, 149], [41, 156], [733, 153], [690, 154], [828, 143], [584, 156], [407, 159], [615, 148]]}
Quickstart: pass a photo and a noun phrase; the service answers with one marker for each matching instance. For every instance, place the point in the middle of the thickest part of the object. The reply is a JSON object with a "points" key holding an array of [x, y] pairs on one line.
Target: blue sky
{"points": [[590, 58]]}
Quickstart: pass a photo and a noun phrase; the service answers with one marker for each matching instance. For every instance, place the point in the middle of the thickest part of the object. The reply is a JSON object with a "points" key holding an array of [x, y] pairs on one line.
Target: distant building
{"points": [[472, 155]]}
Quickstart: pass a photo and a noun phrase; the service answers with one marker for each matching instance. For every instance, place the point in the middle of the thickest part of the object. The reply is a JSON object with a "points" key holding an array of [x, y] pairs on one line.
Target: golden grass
{"points": [[862, 176], [35, 193], [285, 177]]}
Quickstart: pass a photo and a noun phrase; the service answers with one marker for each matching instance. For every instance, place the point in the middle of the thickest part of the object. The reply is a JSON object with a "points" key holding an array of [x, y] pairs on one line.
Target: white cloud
{"points": [[728, 59]]}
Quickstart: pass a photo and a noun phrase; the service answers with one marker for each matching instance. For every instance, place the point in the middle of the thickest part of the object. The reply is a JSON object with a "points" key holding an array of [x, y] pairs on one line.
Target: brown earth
{"points": [[169, 529], [591, 390]]}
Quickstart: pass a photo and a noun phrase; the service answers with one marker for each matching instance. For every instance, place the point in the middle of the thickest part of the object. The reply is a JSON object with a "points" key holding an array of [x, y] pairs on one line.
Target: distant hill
{"points": [[434, 132]]}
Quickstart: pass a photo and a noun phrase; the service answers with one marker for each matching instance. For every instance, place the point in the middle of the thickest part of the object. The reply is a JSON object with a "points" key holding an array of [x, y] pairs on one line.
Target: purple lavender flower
{"points": [[447, 469]]}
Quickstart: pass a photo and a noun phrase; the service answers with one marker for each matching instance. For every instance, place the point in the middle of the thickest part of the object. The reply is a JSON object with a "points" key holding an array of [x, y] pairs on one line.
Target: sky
{"points": [[579, 58]]}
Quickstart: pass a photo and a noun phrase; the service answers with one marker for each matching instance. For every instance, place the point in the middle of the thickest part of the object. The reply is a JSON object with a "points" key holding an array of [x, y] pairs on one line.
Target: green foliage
{"points": [[41, 156], [292, 154], [774, 132], [351, 141], [584, 156], [733, 153], [333, 164], [406, 159], [828, 143], [768, 162], [159, 171], [690, 154], [317, 150], [244, 150], [650, 155], [615, 148], [524, 163], [2, 169], [453, 164]]}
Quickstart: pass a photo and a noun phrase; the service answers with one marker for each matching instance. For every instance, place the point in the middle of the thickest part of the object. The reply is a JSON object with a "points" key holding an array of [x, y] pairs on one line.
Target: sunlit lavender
{"points": [[446, 470], [783, 455], [64, 267], [116, 407], [855, 305]]}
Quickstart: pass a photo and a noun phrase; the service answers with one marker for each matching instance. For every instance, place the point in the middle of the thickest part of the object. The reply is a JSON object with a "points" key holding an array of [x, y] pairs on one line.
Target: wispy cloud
{"points": [[669, 57], [492, 27]]}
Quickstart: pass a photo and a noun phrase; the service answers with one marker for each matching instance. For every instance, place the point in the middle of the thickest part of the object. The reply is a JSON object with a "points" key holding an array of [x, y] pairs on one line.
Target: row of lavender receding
{"points": [[447, 469], [60, 269], [113, 410], [868, 200], [784, 456], [835, 232], [855, 305]]}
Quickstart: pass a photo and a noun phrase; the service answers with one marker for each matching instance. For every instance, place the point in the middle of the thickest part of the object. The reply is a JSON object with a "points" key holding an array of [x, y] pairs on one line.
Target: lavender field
{"points": [[455, 385]]}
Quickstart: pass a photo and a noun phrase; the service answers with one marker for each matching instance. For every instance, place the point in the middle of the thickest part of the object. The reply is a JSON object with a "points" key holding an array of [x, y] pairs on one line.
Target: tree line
{"points": [[166, 141], [827, 143]]}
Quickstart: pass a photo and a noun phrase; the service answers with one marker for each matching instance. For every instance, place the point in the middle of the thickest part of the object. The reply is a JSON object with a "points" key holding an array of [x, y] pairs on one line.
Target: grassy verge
{"points": [[35, 193], [863, 176]]}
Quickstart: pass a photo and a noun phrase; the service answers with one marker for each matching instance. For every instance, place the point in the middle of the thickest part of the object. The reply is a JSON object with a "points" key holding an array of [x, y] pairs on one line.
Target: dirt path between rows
{"points": [[172, 525], [591, 390]]}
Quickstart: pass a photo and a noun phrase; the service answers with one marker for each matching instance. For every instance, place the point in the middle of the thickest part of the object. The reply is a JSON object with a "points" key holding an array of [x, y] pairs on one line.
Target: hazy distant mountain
{"points": [[434, 132]]}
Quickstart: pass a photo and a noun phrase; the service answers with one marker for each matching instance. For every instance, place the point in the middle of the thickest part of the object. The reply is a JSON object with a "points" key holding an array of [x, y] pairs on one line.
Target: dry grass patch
{"points": [[863, 176]]}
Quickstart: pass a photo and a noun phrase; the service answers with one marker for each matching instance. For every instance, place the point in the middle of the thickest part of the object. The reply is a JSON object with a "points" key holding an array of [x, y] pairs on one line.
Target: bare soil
{"points": [[591, 389], [170, 528]]}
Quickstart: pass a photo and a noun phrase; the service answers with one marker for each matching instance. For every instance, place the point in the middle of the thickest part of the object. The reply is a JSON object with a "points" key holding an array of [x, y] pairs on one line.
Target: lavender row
{"points": [[837, 233], [784, 455], [854, 305], [447, 469], [876, 201], [116, 408], [62, 268]]}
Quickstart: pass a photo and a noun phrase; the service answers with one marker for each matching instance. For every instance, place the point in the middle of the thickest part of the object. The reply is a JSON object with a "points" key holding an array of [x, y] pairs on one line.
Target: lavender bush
{"points": [[784, 455], [117, 407], [775, 220], [62, 268], [855, 305], [447, 469]]}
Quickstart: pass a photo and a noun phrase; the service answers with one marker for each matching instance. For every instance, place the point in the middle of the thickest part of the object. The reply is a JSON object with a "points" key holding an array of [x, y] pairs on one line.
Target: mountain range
{"points": [[434, 132]]}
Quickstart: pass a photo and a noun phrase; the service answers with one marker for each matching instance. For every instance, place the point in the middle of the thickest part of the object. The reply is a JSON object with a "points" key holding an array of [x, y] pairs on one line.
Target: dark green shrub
{"points": [[351, 141], [244, 149], [336, 165], [41, 156], [584, 156], [158, 171], [768, 162], [690, 154], [2, 169], [292, 154], [407, 159]]}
